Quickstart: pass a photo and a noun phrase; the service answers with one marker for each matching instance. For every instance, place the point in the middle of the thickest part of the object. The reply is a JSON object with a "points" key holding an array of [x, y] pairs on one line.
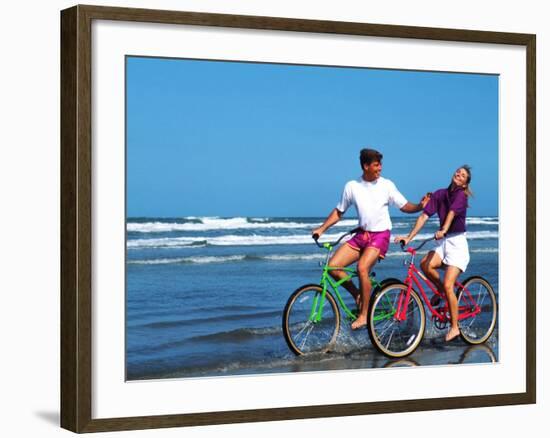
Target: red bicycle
{"points": [[397, 318]]}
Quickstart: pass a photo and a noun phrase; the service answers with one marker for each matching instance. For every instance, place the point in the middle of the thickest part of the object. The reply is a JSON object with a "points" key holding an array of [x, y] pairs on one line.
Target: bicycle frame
{"points": [[413, 277], [326, 281]]}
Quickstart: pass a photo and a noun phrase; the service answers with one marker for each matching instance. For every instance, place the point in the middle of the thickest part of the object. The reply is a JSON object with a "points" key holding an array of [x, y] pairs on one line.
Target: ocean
{"points": [[205, 296]]}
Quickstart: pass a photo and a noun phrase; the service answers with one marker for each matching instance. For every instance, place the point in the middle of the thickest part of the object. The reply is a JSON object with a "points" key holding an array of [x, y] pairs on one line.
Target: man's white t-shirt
{"points": [[371, 200]]}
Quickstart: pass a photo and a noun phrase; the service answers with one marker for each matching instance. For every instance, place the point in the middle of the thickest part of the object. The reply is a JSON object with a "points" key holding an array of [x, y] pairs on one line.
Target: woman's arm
{"points": [[446, 225], [417, 227]]}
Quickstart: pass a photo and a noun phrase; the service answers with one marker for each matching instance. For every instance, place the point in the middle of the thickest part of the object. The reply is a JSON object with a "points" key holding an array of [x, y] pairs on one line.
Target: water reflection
{"points": [[398, 363], [432, 354], [478, 354], [469, 354]]}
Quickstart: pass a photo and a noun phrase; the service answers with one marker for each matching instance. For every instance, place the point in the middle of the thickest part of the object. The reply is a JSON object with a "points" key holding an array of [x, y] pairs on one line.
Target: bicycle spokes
{"points": [[308, 327], [478, 308], [397, 321], [310, 320], [387, 308]]}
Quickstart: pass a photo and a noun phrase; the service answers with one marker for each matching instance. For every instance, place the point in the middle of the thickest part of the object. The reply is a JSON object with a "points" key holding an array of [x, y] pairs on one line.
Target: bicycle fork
{"points": [[317, 307], [403, 303]]}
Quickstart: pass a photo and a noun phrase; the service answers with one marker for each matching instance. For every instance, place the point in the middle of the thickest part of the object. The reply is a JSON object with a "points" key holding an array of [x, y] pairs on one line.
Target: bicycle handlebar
{"points": [[402, 243], [316, 238]]}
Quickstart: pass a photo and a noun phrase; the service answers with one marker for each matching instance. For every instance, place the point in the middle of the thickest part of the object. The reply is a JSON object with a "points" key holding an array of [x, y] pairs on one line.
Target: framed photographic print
{"points": [[200, 155]]}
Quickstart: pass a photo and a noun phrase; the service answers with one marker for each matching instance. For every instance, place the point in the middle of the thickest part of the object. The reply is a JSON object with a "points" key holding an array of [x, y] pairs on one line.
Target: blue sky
{"points": [[208, 138]]}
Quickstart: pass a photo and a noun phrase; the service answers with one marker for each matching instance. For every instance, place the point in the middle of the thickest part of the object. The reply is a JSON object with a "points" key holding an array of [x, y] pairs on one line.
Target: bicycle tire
{"points": [[385, 282], [405, 336], [477, 329], [302, 335]]}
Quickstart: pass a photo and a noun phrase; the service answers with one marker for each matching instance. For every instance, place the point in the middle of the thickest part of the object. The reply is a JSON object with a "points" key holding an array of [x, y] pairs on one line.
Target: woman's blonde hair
{"points": [[467, 189]]}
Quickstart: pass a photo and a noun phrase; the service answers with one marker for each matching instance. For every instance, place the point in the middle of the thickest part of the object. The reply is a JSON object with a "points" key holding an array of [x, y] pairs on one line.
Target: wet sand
{"points": [[353, 350]]}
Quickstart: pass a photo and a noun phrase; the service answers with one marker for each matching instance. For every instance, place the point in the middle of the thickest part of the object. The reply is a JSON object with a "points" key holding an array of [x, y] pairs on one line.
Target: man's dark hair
{"points": [[369, 156]]}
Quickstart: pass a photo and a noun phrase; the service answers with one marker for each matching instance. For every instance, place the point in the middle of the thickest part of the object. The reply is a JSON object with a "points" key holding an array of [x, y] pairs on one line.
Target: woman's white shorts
{"points": [[453, 251]]}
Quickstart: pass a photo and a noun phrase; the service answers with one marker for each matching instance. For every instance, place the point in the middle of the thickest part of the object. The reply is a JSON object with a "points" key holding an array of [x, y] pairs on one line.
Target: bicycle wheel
{"points": [[385, 282], [310, 324], [478, 327], [392, 337]]}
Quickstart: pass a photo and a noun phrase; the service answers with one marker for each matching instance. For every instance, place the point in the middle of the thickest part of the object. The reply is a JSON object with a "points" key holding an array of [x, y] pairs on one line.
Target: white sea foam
{"points": [[199, 259], [482, 221], [213, 224], [401, 224], [174, 242], [227, 259], [234, 240], [242, 223], [227, 240], [475, 235], [482, 234], [425, 250], [293, 257], [490, 220], [236, 223], [272, 257], [231, 240]]}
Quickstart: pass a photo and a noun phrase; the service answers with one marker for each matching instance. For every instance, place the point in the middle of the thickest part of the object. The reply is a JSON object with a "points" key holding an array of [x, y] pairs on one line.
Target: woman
{"points": [[452, 253]]}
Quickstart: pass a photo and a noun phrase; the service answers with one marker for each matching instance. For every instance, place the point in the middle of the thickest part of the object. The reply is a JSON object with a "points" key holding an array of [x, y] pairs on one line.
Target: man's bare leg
{"points": [[344, 256], [364, 265]]}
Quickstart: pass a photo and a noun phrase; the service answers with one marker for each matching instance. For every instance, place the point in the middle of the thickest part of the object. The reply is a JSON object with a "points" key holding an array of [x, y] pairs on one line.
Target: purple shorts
{"points": [[371, 239]]}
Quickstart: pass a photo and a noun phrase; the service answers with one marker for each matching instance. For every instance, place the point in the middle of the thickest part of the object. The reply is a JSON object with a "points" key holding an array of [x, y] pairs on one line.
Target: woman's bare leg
{"points": [[430, 264], [451, 274]]}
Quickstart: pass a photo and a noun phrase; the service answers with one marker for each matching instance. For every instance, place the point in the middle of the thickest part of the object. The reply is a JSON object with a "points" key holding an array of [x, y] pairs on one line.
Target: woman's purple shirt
{"points": [[444, 200]]}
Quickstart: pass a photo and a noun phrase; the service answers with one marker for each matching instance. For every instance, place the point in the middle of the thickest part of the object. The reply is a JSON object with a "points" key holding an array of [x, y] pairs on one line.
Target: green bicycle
{"points": [[311, 318]]}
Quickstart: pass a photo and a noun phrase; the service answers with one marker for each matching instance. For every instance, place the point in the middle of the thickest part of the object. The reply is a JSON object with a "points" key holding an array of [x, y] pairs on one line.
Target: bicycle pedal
{"points": [[438, 324]]}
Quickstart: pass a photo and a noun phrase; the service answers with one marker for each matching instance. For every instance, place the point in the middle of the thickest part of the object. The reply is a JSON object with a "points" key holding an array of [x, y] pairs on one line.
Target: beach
{"points": [[205, 296]]}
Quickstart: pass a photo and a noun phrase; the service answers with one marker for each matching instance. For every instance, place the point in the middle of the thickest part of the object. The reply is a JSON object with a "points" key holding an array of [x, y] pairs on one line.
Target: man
{"points": [[371, 195]]}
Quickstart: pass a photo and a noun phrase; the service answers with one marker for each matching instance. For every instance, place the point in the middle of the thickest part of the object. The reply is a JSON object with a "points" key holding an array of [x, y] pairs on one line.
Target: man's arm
{"points": [[334, 216], [409, 207]]}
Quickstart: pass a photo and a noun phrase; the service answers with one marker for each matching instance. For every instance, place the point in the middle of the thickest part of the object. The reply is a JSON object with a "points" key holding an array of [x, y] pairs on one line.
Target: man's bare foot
{"points": [[360, 322], [452, 334]]}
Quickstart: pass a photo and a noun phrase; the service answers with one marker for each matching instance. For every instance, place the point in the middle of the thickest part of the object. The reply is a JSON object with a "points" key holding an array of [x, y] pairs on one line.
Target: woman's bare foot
{"points": [[452, 334], [360, 322]]}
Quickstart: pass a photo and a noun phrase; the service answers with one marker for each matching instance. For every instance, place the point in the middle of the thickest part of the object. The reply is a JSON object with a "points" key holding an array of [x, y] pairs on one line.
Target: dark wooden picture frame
{"points": [[76, 217]]}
